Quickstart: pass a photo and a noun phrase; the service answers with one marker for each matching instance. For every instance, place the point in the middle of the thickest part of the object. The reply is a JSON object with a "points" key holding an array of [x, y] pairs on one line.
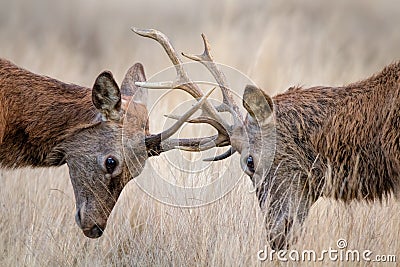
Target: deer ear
{"points": [[106, 97], [258, 104], [128, 87]]}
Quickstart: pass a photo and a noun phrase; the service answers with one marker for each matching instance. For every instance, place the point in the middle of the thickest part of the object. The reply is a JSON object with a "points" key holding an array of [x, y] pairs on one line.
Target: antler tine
{"points": [[202, 119], [155, 147], [182, 82], [207, 60], [207, 143], [199, 144], [157, 85], [218, 140], [199, 148], [175, 127], [189, 144], [224, 155]]}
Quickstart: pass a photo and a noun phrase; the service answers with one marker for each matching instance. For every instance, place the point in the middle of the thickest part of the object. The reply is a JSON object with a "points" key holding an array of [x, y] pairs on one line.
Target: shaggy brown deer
{"points": [[339, 142], [101, 134]]}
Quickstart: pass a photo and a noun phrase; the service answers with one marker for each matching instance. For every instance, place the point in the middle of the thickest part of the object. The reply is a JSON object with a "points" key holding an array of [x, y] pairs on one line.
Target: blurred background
{"points": [[277, 44]]}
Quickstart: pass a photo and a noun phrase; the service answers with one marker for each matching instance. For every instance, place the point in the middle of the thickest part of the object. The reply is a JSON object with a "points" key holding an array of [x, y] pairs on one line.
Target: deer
{"points": [[305, 143], [101, 134]]}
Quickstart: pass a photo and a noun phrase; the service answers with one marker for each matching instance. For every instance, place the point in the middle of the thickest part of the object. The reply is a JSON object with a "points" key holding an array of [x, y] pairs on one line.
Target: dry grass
{"points": [[277, 44]]}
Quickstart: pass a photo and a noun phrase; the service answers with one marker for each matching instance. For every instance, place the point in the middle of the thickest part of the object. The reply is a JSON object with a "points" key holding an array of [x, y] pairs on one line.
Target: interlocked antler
{"points": [[228, 104], [158, 143], [210, 113]]}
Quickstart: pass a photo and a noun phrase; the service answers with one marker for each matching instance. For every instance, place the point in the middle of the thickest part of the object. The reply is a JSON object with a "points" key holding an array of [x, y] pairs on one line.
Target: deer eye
{"points": [[110, 163], [250, 164]]}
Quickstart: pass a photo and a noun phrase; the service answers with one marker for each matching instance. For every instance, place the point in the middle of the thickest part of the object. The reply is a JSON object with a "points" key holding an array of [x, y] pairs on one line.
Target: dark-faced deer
{"points": [[339, 142], [101, 134]]}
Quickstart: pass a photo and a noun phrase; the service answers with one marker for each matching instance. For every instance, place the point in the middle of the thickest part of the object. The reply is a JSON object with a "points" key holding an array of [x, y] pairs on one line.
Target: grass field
{"points": [[276, 43]]}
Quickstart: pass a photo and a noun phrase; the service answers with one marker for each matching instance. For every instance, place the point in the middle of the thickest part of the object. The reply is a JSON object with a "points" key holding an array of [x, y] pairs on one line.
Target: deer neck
{"points": [[37, 113]]}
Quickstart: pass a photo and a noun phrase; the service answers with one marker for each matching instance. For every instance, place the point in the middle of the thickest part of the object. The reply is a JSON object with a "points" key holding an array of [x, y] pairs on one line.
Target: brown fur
{"points": [[354, 129], [340, 142], [38, 113], [361, 140]]}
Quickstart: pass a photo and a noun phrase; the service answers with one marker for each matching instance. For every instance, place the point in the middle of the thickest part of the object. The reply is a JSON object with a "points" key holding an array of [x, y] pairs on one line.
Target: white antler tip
{"points": [[137, 30], [172, 116], [144, 32], [140, 84], [155, 85]]}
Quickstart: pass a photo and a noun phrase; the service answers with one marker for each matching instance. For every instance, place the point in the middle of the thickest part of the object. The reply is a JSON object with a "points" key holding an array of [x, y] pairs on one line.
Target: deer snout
{"points": [[94, 232], [280, 234], [278, 241], [89, 227]]}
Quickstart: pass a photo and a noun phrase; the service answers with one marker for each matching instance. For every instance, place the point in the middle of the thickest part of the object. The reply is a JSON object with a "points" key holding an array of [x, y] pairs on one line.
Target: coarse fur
{"points": [[38, 113], [45, 122], [339, 142]]}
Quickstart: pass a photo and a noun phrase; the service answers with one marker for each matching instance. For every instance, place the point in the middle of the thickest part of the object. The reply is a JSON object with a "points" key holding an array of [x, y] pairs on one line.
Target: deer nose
{"points": [[94, 232]]}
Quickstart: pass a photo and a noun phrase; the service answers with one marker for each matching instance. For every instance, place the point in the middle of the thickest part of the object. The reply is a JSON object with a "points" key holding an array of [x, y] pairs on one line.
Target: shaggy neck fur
{"points": [[345, 140], [36, 114]]}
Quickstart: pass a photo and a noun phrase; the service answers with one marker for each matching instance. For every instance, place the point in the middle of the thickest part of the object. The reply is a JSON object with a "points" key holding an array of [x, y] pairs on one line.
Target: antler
{"points": [[158, 143], [210, 113], [207, 60]]}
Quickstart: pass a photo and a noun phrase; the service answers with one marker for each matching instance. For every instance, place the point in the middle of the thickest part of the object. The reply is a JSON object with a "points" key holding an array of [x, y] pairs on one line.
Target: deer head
{"points": [[105, 155]]}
